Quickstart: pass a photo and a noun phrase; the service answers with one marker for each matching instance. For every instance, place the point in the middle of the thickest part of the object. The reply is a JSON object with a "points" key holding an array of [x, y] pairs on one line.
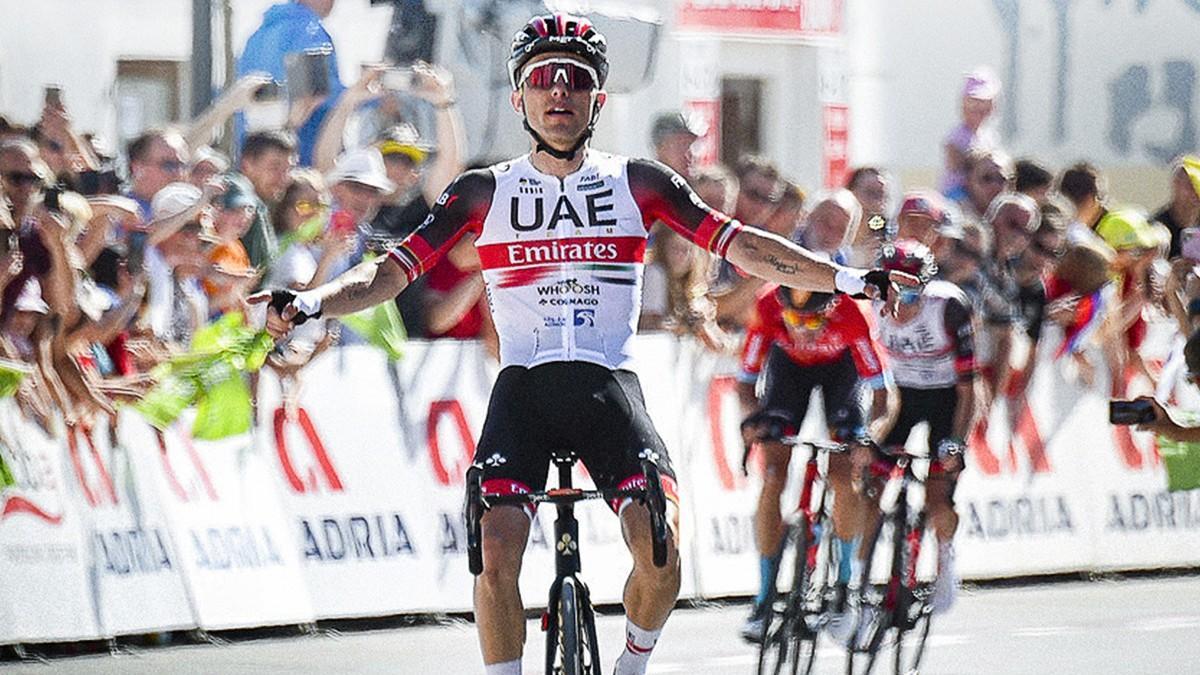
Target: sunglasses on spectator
{"points": [[171, 165], [573, 75], [306, 208], [761, 197], [22, 178]]}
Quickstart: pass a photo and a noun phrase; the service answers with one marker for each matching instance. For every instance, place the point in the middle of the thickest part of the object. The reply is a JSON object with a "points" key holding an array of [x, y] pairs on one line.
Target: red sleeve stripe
{"points": [[412, 254], [403, 257], [721, 240], [965, 365]]}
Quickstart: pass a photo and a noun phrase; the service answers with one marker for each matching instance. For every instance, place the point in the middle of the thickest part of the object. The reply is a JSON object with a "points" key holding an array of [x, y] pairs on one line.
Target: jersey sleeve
{"points": [[461, 208], [857, 335], [961, 329], [662, 194], [760, 335]]}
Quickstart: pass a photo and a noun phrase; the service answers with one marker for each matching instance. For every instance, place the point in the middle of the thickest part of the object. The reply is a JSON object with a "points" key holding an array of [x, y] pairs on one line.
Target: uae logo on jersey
{"points": [[585, 317]]}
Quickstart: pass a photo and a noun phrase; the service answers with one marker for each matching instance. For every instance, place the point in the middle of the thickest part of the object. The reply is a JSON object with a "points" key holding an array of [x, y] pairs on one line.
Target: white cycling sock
{"points": [[639, 642], [506, 668]]}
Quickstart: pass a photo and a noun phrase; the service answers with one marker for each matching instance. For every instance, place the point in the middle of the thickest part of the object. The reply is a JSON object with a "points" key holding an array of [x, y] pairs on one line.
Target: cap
{"points": [[982, 84], [173, 200], [923, 203], [403, 139], [675, 122], [239, 193], [364, 166], [206, 154], [1127, 228], [30, 299], [1191, 166]]}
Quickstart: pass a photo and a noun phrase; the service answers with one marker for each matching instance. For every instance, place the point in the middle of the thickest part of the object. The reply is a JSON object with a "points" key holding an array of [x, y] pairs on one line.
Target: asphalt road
{"points": [[1131, 626]]}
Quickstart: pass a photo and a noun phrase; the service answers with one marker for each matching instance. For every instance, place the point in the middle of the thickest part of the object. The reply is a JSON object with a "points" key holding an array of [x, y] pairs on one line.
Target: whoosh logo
{"points": [[323, 469]]}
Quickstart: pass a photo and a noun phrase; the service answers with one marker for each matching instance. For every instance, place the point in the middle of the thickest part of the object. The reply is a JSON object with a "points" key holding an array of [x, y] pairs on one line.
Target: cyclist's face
{"points": [[559, 113]]}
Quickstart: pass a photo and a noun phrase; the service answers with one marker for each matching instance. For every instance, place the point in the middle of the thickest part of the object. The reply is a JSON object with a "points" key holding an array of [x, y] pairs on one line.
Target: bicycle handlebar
{"points": [[652, 495]]}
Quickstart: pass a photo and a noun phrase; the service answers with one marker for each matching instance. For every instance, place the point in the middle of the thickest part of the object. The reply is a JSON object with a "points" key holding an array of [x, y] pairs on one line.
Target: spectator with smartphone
{"points": [[1163, 423], [291, 28], [1183, 211]]}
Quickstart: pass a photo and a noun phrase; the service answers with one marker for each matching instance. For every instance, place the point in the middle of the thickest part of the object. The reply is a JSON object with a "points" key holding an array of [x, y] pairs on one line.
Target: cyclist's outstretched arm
{"points": [[663, 195], [367, 284]]}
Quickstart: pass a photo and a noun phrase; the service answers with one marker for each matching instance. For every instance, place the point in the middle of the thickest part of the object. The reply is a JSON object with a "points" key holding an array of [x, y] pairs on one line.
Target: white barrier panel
{"points": [[377, 504], [44, 590], [237, 554], [135, 566]]}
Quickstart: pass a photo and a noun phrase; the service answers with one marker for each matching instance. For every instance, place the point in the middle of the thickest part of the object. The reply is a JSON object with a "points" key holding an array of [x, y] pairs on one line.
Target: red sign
{"points": [[309, 482], [706, 151], [794, 17], [836, 147]]}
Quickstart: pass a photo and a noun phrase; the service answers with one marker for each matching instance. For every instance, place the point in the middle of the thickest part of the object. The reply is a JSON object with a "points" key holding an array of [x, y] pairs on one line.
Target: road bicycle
{"points": [[795, 618], [570, 619], [897, 612]]}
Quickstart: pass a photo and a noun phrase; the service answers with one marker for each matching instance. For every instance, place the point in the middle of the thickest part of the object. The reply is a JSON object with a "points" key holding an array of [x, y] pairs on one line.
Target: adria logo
{"points": [[720, 391], [95, 479], [452, 472], [323, 469], [191, 484]]}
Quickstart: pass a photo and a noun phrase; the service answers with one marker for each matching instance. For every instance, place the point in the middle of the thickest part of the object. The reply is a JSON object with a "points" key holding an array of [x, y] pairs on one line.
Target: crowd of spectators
{"points": [[112, 262]]}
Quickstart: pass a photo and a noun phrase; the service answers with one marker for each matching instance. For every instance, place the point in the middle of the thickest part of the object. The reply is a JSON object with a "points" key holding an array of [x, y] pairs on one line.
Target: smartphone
{"points": [[307, 73], [399, 79], [1189, 243], [135, 260], [1130, 412], [269, 91], [52, 93], [50, 199]]}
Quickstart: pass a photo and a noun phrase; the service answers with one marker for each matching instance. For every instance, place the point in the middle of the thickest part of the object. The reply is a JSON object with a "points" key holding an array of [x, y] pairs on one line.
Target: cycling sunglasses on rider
{"points": [[909, 296], [806, 320], [575, 76]]}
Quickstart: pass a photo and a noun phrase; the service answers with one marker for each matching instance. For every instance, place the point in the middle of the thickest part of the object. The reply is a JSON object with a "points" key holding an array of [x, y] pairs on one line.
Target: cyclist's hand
{"points": [[287, 309], [950, 453]]}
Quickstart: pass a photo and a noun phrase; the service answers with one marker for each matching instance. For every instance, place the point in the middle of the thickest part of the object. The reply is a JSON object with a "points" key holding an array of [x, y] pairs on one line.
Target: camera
{"points": [[1131, 412]]}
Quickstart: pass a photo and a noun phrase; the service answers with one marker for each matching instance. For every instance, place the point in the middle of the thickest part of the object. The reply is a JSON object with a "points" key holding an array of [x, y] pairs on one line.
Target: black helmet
{"points": [[558, 33]]}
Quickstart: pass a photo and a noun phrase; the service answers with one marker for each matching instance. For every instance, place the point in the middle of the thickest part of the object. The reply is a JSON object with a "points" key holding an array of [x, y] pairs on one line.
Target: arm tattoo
{"points": [[782, 265]]}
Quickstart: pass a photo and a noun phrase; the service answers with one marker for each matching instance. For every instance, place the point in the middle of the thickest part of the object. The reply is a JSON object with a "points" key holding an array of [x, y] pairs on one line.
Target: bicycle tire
{"points": [[865, 609], [898, 616], [804, 655], [570, 647], [775, 641]]}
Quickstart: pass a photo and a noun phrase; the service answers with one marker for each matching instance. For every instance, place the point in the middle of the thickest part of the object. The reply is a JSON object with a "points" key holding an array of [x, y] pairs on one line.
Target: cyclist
{"points": [[566, 217], [804, 340], [930, 347]]}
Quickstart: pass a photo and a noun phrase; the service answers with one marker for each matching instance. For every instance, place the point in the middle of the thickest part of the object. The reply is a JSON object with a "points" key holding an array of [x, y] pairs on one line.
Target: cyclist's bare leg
{"points": [[650, 592], [768, 518], [943, 519], [847, 502], [499, 613]]}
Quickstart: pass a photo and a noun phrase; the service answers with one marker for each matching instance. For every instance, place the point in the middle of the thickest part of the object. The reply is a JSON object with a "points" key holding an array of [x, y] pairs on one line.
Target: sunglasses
{"points": [[306, 208], [171, 165], [908, 296], [573, 75], [804, 320], [22, 178]]}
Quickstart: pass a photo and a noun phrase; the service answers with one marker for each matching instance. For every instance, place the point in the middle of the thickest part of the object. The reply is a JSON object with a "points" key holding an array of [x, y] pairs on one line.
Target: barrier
{"points": [[346, 502]]}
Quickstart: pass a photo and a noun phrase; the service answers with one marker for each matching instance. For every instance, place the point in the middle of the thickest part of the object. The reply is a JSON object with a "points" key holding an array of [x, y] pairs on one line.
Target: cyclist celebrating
{"points": [[930, 345], [566, 216], [806, 340]]}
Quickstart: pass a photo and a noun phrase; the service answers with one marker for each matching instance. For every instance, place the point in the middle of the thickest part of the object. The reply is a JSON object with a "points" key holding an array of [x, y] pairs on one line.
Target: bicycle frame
{"points": [[567, 560]]}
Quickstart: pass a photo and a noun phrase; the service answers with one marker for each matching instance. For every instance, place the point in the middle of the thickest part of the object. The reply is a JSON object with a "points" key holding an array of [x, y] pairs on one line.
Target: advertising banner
{"points": [[135, 568], [45, 594], [790, 18], [237, 553]]}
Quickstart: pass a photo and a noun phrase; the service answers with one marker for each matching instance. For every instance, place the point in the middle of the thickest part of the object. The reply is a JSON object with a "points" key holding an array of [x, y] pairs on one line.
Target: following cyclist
{"points": [[807, 340], [566, 216], [930, 347]]}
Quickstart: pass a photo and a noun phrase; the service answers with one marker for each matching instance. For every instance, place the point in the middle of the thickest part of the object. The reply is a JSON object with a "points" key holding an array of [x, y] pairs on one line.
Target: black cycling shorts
{"points": [[935, 406], [788, 387], [574, 406]]}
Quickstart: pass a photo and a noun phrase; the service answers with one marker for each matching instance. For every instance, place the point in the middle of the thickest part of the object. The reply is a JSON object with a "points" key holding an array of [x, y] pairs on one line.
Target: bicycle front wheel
{"points": [[570, 631]]}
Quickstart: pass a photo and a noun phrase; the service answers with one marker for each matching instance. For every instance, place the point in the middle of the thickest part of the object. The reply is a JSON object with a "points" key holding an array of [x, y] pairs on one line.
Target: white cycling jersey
{"points": [[935, 349], [563, 258]]}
